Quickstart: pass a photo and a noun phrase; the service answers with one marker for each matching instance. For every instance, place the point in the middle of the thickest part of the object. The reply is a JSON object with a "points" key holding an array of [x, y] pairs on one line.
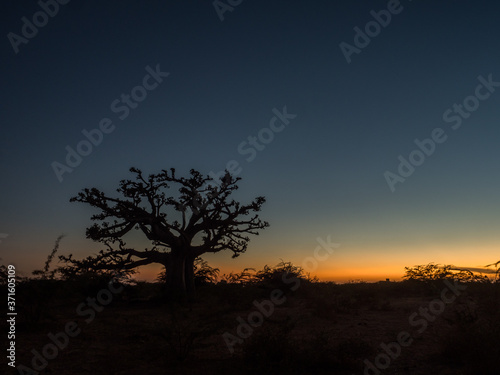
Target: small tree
{"points": [[200, 218], [436, 272]]}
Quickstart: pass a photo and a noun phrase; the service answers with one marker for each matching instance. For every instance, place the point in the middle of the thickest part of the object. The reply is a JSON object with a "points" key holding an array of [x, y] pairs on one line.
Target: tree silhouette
{"points": [[199, 218], [436, 272]]}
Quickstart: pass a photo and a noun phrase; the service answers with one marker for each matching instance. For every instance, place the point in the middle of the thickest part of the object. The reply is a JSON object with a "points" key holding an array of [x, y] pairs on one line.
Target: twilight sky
{"points": [[181, 84]]}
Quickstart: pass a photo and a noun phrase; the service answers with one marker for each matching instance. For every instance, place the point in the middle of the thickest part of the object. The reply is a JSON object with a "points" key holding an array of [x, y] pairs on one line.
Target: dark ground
{"points": [[320, 328]]}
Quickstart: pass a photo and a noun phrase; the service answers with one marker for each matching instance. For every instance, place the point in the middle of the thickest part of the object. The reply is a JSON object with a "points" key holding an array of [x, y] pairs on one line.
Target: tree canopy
{"points": [[182, 218]]}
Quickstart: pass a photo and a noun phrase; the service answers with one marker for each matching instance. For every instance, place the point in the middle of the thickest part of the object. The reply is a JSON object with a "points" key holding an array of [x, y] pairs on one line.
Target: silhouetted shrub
{"points": [[436, 272], [203, 273]]}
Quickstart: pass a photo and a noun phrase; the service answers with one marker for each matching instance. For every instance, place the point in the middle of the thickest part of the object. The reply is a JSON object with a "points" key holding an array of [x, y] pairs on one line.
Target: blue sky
{"points": [[322, 175]]}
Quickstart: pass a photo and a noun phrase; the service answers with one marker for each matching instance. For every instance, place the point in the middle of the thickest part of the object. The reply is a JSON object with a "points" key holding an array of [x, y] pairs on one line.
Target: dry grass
{"points": [[321, 328]]}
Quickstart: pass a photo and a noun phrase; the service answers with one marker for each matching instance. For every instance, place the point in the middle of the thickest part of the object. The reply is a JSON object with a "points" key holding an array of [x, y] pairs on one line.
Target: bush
{"points": [[436, 272]]}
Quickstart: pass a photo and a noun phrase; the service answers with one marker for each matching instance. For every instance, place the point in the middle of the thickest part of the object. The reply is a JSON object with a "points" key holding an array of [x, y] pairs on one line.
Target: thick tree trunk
{"points": [[175, 283], [189, 276]]}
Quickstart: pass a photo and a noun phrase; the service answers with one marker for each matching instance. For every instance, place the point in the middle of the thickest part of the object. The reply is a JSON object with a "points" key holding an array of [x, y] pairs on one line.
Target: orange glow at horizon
{"points": [[344, 265], [350, 261]]}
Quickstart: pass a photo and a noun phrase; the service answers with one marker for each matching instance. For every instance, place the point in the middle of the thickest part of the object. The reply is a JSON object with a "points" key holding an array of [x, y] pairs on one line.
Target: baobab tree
{"points": [[197, 217]]}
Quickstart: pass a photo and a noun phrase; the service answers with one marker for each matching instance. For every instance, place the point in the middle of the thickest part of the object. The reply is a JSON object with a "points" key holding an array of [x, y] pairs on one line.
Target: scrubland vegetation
{"points": [[316, 328]]}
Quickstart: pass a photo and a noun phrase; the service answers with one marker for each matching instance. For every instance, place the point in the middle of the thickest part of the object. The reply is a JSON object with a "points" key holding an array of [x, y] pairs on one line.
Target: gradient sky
{"points": [[323, 175]]}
